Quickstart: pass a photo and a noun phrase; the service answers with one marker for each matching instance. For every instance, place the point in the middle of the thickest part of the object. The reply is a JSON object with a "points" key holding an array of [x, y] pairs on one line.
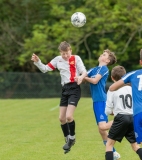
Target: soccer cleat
{"points": [[68, 145], [66, 151], [116, 155]]}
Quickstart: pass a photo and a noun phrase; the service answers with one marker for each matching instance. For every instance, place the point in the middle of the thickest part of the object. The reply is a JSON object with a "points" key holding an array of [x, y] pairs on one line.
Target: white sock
{"points": [[72, 137]]}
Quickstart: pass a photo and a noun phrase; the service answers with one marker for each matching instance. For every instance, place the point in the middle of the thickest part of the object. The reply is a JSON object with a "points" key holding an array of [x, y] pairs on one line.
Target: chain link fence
{"points": [[33, 85]]}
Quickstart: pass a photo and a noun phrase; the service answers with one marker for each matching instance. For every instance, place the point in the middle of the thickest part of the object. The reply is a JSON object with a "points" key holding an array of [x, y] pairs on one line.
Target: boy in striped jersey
{"points": [[97, 78], [72, 72]]}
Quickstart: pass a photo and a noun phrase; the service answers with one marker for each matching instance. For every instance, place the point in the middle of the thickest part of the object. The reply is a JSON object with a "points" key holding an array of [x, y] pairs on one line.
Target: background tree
{"points": [[39, 26]]}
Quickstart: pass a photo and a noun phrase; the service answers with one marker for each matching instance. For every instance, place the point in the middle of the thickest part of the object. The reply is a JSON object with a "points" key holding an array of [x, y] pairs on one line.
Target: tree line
{"points": [[37, 26]]}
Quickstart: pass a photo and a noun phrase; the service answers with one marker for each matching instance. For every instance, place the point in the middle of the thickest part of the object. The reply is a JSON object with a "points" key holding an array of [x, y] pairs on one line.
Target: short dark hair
{"points": [[111, 57], [117, 72], [64, 46]]}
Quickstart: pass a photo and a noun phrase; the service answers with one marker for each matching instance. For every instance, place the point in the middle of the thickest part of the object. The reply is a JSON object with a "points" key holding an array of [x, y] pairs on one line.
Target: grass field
{"points": [[30, 130]]}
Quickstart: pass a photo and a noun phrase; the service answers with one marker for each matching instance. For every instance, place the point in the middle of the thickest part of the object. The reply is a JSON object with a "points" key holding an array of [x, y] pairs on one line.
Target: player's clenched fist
{"points": [[35, 58]]}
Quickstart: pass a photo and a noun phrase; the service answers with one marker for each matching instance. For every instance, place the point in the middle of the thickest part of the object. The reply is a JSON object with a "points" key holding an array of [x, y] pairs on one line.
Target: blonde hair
{"points": [[111, 57]]}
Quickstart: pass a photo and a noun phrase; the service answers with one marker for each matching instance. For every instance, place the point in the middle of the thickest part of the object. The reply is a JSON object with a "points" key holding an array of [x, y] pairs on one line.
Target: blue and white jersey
{"points": [[135, 78], [98, 91]]}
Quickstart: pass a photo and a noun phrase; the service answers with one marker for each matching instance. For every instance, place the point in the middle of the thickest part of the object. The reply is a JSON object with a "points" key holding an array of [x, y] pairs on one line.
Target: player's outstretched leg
{"points": [[68, 145]]}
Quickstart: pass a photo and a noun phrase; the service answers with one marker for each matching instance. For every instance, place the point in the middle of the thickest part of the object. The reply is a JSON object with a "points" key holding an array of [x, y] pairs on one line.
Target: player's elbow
{"points": [[95, 82], [43, 71]]}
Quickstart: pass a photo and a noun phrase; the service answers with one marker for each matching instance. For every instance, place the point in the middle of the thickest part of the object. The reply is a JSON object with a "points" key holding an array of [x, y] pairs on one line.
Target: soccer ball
{"points": [[78, 19]]}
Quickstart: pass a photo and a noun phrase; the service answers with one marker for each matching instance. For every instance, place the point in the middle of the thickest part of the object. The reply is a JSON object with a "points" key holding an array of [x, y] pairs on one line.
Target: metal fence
{"points": [[33, 85]]}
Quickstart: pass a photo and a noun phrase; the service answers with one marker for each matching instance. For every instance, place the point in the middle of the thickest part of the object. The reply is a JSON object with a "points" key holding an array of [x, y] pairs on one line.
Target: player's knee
{"points": [[102, 127], [62, 120], [109, 144], [135, 146], [69, 118]]}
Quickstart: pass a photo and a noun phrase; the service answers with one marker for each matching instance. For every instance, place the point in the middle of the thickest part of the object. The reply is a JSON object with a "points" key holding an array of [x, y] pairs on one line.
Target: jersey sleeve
{"points": [[103, 70], [80, 66], [109, 103], [127, 77], [49, 67]]}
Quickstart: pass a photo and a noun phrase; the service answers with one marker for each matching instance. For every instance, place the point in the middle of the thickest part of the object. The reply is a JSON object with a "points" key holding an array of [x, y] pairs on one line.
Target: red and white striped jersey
{"points": [[68, 69]]}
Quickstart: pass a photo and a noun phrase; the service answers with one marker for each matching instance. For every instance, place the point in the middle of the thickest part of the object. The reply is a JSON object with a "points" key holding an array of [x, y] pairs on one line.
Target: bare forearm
{"points": [[84, 74], [116, 85], [91, 80]]}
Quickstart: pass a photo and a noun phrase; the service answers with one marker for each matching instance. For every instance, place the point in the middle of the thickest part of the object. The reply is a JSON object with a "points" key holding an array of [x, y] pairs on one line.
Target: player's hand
{"points": [[35, 58], [78, 80]]}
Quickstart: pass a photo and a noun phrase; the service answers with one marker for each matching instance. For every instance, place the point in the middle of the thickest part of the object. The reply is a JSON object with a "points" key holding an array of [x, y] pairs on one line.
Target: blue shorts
{"points": [[99, 111], [138, 127]]}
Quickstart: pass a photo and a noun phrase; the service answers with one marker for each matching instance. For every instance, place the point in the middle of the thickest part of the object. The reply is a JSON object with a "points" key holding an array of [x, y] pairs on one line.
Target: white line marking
{"points": [[52, 109]]}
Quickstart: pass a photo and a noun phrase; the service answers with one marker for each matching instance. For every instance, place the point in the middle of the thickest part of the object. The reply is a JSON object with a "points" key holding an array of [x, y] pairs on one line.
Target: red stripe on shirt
{"points": [[72, 68], [51, 66]]}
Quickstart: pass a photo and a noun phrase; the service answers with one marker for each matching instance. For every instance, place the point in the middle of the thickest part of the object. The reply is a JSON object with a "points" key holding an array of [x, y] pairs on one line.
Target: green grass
{"points": [[30, 130]]}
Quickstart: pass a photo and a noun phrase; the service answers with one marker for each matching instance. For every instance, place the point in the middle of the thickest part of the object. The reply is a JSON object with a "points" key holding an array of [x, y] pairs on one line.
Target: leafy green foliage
{"points": [[39, 26]]}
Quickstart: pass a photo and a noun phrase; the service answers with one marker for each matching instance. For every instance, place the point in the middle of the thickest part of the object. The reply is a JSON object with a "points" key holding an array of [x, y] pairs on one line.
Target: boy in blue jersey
{"points": [[97, 78], [135, 79]]}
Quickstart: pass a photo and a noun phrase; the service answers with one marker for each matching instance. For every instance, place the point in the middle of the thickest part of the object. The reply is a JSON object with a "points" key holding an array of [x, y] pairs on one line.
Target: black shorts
{"points": [[71, 94], [122, 127]]}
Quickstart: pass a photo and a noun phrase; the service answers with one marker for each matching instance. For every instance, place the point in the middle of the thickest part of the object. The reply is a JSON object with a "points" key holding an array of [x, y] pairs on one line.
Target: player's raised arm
{"points": [[35, 58], [116, 85], [42, 67]]}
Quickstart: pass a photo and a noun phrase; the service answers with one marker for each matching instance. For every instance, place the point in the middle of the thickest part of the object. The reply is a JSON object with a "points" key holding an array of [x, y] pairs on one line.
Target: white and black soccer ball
{"points": [[78, 19]]}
